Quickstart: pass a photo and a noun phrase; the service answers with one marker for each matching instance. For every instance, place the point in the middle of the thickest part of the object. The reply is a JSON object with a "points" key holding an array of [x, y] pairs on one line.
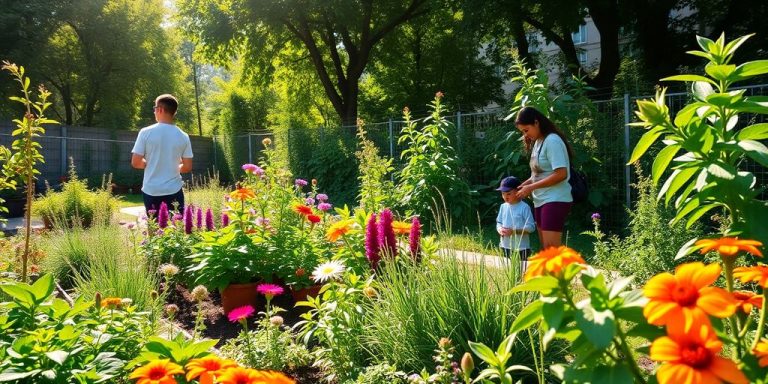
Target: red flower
{"points": [[302, 209], [314, 219]]}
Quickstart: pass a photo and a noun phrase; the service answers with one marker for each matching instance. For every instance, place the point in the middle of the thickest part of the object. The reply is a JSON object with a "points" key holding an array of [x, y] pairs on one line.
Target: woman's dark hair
{"points": [[529, 116]]}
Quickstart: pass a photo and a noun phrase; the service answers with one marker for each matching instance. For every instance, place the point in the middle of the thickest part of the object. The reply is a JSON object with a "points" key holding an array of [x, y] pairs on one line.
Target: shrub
{"points": [[272, 346], [377, 191], [75, 205]]}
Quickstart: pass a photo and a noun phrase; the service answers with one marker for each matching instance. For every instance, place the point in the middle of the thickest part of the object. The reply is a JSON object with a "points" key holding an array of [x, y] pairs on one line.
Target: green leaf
{"points": [[731, 47], [484, 353], [614, 374], [698, 213], [20, 293], [57, 356], [687, 249], [675, 181], [599, 327], [538, 284], [753, 132], [720, 72], [722, 171], [43, 287], [662, 160], [529, 316], [15, 376], [553, 313], [645, 142], [706, 44], [756, 150], [692, 78], [750, 69]]}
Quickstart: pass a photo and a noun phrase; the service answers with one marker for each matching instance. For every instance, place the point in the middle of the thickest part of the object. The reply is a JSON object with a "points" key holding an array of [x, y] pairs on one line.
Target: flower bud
{"points": [[276, 320], [266, 142], [200, 293], [153, 295], [171, 309], [370, 292], [97, 298], [467, 364], [444, 343]]}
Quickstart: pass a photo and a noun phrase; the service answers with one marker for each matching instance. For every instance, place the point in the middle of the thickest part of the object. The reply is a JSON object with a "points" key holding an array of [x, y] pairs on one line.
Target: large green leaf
{"points": [[750, 69], [538, 284], [553, 312], [753, 132], [662, 160], [43, 287], [675, 181], [529, 316], [599, 327], [756, 150], [720, 72], [483, 352], [19, 293], [645, 142], [689, 78]]}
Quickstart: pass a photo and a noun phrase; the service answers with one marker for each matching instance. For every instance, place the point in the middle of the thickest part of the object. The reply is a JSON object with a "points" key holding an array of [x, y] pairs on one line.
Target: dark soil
{"points": [[219, 327]]}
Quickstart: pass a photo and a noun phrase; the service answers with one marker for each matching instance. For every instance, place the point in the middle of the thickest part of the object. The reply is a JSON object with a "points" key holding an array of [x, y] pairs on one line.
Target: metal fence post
{"points": [[250, 149], [458, 131], [63, 150], [215, 164], [627, 175], [391, 139]]}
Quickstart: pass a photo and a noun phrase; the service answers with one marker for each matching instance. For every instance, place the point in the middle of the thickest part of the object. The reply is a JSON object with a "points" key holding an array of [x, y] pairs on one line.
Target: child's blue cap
{"points": [[508, 183]]}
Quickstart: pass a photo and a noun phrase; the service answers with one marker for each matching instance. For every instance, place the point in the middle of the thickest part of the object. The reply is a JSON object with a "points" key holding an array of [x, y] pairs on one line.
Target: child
{"points": [[514, 221]]}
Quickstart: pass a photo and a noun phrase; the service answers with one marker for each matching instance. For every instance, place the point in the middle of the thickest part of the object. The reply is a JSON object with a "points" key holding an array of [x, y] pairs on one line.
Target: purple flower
{"points": [[372, 242], [252, 168], [199, 221], [188, 219], [414, 237], [262, 221], [324, 206], [208, 220], [159, 232], [387, 238], [596, 216], [177, 217], [309, 201], [322, 197], [300, 182], [224, 219], [162, 215], [151, 212], [259, 172]]}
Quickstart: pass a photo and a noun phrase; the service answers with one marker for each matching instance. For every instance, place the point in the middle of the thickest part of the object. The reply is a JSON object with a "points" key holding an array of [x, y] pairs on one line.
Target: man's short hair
{"points": [[168, 102]]}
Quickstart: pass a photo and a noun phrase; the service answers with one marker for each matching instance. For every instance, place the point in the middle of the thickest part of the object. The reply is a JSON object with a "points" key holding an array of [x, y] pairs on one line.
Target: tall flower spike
{"points": [[387, 238], [162, 215], [208, 220], [188, 219], [224, 219], [372, 242], [199, 221], [414, 238]]}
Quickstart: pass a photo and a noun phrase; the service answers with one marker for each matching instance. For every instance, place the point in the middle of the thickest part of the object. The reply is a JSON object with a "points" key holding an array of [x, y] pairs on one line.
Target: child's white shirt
{"points": [[516, 216]]}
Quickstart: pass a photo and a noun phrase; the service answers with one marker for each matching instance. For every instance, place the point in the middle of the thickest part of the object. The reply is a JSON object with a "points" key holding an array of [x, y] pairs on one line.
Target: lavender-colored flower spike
{"points": [[208, 220], [199, 222], [372, 242], [387, 238], [414, 238], [162, 215], [188, 219], [224, 219]]}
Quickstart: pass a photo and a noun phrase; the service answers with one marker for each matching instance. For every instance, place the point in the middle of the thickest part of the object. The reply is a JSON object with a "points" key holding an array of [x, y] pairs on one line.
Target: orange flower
{"points": [[692, 358], [401, 227], [686, 298], [730, 246], [747, 300], [339, 229], [207, 368], [302, 209], [551, 261], [239, 375], [273, 377], [761, 352], [242, 194], [757, 273], [112, 302], [157, 372]]}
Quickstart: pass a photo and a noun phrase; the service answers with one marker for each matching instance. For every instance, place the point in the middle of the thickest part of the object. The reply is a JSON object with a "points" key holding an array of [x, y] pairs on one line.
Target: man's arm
{"points": [[186, 165], [138, 161]]}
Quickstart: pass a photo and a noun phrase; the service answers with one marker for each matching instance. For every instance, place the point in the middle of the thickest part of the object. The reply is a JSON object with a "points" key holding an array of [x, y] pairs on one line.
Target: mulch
{"points": [[219, 327]]}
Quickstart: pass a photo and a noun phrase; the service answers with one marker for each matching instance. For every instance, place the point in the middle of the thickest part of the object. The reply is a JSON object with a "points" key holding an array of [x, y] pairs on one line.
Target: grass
{"points": [[130, 200]]}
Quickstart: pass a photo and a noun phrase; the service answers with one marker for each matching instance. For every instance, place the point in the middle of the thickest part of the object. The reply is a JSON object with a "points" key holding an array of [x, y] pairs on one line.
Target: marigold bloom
{"points": [[242, 194], [314, 219], [730, 246], [240, 313], [551, 261], [692, 357], [686, 298], [208, 368], [239, 375], [339, 229], [747, 300], [157, 372], [112, 302], [302, 209], [757, 273], [761, 352], [401, 227]]}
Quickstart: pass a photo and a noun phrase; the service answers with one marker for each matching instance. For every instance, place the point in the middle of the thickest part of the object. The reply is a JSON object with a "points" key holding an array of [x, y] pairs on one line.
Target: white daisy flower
{"points": [[330, 270]]}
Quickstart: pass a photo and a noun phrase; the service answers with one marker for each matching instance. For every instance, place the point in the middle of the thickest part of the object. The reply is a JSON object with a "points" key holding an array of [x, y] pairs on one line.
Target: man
{"points": [[164, 152]]}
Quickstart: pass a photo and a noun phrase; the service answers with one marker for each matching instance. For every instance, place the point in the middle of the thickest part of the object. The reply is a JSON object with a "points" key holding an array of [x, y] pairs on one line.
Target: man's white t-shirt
{"points": [[163, 146]]}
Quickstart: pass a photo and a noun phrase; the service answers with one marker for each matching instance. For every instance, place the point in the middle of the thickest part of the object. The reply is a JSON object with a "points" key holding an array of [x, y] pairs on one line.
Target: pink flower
{"points": [[199, 221], [252, 168], [372, 242], [300, 183], [240, 313], [414, 237], [309, 201], [322, 197], [208, 220], [162, 215], [224, 219], [188, 219], [270, 290], [324, 206], [387, 239]]}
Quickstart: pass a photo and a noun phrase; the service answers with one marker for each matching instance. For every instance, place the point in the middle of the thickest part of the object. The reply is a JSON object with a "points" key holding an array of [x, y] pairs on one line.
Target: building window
{"points": [[580, 36], [582, 58]]}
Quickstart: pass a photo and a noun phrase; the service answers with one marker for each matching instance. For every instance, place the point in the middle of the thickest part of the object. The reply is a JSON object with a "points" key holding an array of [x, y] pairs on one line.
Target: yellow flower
{"points": [[757, 273], [401, 227], [339, 229], [111, 302], [730, 246], [761, 352], [242, 194], [157, 372]]}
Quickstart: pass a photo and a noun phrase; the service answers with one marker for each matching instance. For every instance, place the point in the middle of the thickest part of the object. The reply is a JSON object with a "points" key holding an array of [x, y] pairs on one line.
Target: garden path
{"points": [[14, 224]]}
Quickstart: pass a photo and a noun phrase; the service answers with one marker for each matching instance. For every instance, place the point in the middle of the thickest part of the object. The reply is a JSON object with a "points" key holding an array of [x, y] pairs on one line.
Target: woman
{"points": [[550, 170]]}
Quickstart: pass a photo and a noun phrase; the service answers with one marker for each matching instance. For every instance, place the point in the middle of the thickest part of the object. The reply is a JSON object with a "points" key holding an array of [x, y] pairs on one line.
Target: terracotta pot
{"points": [[238, 295], [303, 293]]}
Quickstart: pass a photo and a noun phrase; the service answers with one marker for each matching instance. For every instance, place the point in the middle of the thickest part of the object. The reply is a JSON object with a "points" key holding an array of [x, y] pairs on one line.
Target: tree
{"points": [[338, 36]]}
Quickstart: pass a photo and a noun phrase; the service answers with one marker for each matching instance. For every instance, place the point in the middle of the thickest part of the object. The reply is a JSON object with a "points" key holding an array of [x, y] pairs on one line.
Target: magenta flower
{"points": [[309, 201], [177, 217], [250, 168], [188, 219], [300, 183], [199, 221], [387, 240], [151, 212], [596, 216], [414, 237], [372, 242], [324, 206], [162, 215], [322, 197], [208, 220], [270, 290], [240, 313], [224, 219]]}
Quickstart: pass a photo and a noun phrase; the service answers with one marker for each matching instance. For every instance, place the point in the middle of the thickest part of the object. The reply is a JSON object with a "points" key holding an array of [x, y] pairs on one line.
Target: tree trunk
{"points": [[605, 16]]}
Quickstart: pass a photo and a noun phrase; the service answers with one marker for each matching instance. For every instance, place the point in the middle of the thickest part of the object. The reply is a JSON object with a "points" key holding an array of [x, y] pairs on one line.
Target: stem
{"points": [[763, 316], [630, 356], [535, 357], [728, 268]]}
